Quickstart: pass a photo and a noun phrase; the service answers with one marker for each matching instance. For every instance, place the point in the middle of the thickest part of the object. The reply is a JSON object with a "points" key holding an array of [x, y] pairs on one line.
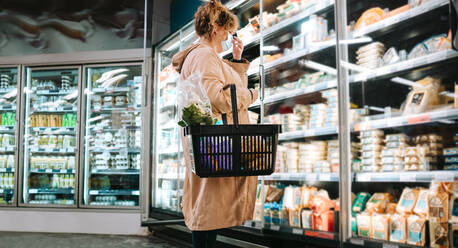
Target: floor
{"points": [[47, 240]]}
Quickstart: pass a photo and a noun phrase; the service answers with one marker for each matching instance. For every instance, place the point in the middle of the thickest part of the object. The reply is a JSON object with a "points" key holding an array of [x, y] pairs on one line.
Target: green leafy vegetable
{"points": [[196, 114]]}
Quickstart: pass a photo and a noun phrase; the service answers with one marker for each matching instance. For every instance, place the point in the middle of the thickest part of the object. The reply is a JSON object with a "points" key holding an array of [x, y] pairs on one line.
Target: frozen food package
{"points": [[288, 197], [438, 207], [391, 56], [363, 221], [371, 161], [284, 217], [371, 140], [258, 211], [428, 138], [371, 133], [391, 160], [324, 221], [397, 137], [295, 217], [438, 235], [307, 216], [380, 226], [418, 50], [395, 152], [359, 204], [369, 17], [421, 99], [398, 228], [421, 207], [453, 206], [307, 194], [416, 230], [372, 147], [407, 201], [354, 227], [321, 204], [297, 197], [378, 202], [371, 49]]}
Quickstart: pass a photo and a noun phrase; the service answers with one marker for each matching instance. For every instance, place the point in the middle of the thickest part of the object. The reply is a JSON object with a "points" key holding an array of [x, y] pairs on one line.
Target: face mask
{"points": [[227, 44]]}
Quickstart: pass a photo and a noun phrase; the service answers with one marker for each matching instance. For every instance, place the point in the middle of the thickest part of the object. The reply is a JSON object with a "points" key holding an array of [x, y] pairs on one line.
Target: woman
{"points": [[210, 204]]}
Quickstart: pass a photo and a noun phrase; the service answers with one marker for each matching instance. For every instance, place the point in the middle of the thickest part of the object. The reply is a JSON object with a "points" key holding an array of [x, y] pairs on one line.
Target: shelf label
{"points": [[1, 191], [136, 192], [407, 177], [319, 235], [357, 242], [2, 169], [33, 191], [419, 119], [297, 231], [48, 170], [364, 177], [94, 192], [362, 126], [275, 227], [63, 171], [387, 245], [325, 177], [309, 132], [310, 177], [444, 177]]}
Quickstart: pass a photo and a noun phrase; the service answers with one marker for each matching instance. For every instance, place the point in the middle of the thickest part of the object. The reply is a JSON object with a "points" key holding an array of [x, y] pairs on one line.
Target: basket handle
{"points": [[235, 114]]}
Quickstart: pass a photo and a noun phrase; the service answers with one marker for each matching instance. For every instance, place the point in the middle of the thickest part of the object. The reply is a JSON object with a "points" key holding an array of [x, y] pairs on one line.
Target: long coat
{"points": [[215, 203]]}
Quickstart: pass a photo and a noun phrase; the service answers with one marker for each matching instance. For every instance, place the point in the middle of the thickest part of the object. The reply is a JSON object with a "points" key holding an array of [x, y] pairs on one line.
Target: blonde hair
{"points": [[211, 14]]}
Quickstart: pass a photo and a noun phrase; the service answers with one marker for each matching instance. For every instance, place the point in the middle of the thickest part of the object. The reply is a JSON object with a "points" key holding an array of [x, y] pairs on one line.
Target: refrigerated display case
{"points": [[9, 83], [393, 70], [111, 147], [50, 136]]}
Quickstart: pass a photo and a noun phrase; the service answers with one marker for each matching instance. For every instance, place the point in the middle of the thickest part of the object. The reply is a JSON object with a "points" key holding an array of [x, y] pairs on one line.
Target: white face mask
{"points": [[227, 44]]}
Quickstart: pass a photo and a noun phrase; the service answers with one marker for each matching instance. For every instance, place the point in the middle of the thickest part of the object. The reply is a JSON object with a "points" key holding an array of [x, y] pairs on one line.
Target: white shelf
{"points": [[52, 150], [55, 92], [308, 133], [7, 149], [53, 171], [301, 176], [111, 90], [407, 176], [7, 170]]}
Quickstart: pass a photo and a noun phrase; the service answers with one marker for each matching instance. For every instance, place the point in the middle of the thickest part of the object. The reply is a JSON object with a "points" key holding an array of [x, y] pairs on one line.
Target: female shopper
{"points": [[210, 204]]}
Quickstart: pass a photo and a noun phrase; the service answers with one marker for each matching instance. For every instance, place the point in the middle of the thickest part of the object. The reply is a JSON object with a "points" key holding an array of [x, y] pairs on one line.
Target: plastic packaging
{"points": [[416, 230], [438, 207], [421, 207], [438, 235], [364, 221], [359, 204], [398, 228], [407, 201], [380, 226], [378, 202]]}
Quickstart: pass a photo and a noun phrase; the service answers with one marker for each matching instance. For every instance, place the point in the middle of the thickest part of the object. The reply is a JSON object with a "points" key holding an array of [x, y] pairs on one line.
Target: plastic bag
{"points": [[194, 106]]}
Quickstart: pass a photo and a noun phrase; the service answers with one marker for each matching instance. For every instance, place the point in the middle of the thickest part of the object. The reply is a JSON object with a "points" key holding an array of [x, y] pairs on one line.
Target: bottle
{"points": [[55, 181], [61, 181], [66, 181], [72, 182], [10, 162], [2, 181], [11, 181]]}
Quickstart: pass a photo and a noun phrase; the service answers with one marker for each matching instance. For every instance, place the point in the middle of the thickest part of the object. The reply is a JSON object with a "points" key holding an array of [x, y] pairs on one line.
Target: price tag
{"points": [[1, 191], [325, 177], [310, 177], [407, 177], [136, 192], [357, 242], [444, 177], [419, 119], [297, 231], [94, 192], [275, 227], [33, 191], [364, 177], [394, 122], [362, 126], [387, 245], [2, 169], [48, 170], [63, 171], [72, 191]]}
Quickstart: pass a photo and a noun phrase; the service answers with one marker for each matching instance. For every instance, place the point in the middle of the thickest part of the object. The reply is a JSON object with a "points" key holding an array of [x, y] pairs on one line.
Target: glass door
{"points": [[112, 135], [50, 136], [9, 81], [402, 79]]}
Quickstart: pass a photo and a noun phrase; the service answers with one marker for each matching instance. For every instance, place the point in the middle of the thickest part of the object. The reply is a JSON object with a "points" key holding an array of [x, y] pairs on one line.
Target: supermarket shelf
{"points": [[55, 92], [399, 18], [8, 108], [7, 90], [109, 129], [7, 191], [319, 46], [253, 224], [171, 176], [114, 149], [6, 170], [300, 231], [307, 133], [371, 243], [312, 9], [110, 90], [296, 92], [53, 129], [407, 120], [171, 79], [45, 74], [52, 150], [9, 129], [7, 149], [388, 70], [115, 171], [407, 176], [70, 109], [322, 177], [117, 109], [52, 171], [114, 192], [52, 191]]}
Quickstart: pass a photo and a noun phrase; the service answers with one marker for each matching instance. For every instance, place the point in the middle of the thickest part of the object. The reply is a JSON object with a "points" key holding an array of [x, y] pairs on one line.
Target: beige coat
{"points": [[214, 203]]}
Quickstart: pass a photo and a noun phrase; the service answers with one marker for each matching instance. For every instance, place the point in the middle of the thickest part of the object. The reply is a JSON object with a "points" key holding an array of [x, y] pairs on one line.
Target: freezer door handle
{"points": [[162, 222]]}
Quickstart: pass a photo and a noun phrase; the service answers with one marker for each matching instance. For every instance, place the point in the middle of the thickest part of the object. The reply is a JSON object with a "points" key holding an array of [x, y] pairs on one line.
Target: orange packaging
{"points": [[421, 207], [369, 17], [416, 234], [307, 195], [321, 204], [391, 208], [438, 207], [378, 202], [323, 221], [398, 11]]}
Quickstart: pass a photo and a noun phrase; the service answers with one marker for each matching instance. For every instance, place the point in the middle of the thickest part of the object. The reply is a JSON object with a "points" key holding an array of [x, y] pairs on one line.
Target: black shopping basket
{"points": [[233, 150]]}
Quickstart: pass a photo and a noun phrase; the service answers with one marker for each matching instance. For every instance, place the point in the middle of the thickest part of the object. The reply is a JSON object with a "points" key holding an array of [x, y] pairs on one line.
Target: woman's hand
{"points": [[237, 48]]}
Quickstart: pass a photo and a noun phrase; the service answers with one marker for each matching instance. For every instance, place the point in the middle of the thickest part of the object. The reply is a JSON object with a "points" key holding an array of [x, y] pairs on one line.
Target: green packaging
{"points": [[359, 205]]}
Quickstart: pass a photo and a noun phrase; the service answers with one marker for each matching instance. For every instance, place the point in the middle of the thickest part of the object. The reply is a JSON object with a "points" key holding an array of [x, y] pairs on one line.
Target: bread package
{"points": [[307, 194], [321, 204], [359, 204], [323, 221], [438, 207], [416, 230], [275, 194], [363, 221], [407, 201], [438, 235], [425, 98], [421, 207], [398, 228], [380, 226], [391, 208], [307, 216], [378, 202], [453, 206], [354, 227], [295, 217]]}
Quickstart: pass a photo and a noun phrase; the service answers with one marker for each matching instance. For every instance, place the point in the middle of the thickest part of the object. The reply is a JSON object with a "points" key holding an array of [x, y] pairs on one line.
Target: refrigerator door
{"points": [[9, 81], [50, 136], [112, 136]]}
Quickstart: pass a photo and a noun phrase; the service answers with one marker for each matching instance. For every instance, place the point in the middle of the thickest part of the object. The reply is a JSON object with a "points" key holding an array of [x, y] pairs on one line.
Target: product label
{"points": [[363, 233]]}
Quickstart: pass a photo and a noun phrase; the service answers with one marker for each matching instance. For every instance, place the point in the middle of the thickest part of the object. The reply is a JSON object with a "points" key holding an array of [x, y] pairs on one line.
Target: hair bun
{"points": [[213, 2]]}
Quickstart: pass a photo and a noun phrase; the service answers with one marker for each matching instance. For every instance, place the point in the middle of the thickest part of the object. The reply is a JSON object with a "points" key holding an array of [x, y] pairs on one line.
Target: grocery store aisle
{"points": [[52, 240]]}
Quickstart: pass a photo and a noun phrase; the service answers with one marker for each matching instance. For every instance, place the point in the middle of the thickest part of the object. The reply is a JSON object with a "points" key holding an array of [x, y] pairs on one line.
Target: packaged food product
{"points": [[391, 56], [363, 221], [391, 208], [371, 140], [398, 228], [323, 221], [354, 227], [274, 195], [454, 235], [307, 194], [451, 151], [421, 207], [380, 226], [371, 133], [307, 216], [378, 202], [438, 206], [258, 211], [284, 218], [267, 215], [422, 99], [407, 201], [438, 235], [369, 17], [321, 204], [295, 217], [416, 230], [396, 152]]}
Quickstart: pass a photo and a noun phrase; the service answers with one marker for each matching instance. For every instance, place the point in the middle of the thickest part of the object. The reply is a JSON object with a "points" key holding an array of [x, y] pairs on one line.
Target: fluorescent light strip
{"points": [[319, 67], [406, 82]]}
